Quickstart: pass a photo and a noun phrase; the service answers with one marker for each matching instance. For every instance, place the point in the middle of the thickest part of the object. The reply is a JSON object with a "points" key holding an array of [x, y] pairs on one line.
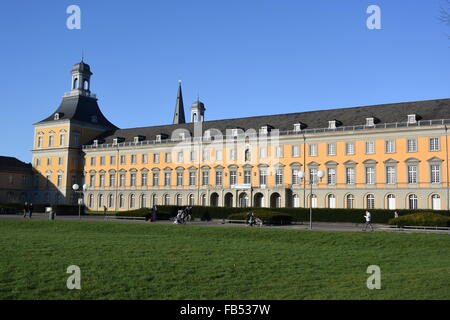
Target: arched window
{"points": [[191, 200], [121, 201], [313, 201], [166, 200], [370, 201], [100, 201], [132, 201], [85, 85], [350, 201], [154, 200], [436, 202], [247, 155], [111, 201], [91, 201], [391, 202], [179, 200], [75, 83], [296, 201], [203, 198], [143, 201], [331, 199], [412, 201]]}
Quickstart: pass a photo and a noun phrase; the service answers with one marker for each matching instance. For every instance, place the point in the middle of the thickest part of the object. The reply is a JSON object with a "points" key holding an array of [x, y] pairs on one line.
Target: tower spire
{"points": [[178, 116]]}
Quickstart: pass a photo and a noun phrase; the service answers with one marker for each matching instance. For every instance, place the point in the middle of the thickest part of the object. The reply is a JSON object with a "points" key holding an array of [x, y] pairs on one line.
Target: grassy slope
{"points": [[142, 261]]}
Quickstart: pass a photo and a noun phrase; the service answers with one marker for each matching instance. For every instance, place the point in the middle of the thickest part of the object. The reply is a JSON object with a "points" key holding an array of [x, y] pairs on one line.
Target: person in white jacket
{"points": [[368, 221]]}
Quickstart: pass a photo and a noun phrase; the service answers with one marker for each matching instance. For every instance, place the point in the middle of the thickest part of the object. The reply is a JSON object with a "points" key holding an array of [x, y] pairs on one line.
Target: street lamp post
{"points": [[76, 188], [320, 175]]}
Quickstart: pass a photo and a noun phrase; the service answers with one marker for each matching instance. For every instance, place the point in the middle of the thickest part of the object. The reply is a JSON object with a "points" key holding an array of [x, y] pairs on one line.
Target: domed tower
{"points": [[58, 139], [198, 111]]}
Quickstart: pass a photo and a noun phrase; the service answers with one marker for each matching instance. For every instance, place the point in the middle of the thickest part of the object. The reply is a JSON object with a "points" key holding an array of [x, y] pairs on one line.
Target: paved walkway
{"points": [[323, 226]]}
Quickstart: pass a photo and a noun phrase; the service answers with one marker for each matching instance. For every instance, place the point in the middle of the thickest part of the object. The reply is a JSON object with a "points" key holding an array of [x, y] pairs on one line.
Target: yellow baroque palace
{"points": [[391, 156]]}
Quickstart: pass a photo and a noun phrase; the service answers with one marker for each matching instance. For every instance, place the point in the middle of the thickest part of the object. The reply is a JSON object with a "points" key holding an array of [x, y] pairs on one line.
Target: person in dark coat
{"points": [[30, 210], [154, 213], [25, 209]]}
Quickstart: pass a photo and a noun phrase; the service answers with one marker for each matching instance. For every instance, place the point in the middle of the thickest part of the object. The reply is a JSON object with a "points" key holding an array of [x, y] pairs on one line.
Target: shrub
{"points": [[206, 216], [422, 219], [143, 212]]}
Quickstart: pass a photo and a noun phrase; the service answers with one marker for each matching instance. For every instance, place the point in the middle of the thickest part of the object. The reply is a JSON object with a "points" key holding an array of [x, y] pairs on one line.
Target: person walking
{"points": [[395, 214], [25, 209], [105, 210], [30, 210], [368, 221]]}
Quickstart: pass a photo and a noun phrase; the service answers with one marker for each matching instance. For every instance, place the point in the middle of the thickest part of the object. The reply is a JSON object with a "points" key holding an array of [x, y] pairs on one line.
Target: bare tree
{"points": [[445, 12]]}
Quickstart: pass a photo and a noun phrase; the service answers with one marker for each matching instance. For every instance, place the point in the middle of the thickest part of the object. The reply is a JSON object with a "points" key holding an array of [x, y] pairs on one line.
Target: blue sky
{"points": [[244, 58]]}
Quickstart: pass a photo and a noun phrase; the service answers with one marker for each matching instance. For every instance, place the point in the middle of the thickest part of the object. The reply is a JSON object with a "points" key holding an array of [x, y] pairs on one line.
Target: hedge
{"points": [[267, 216], [15, 208], [144, 212], [422, 219]]}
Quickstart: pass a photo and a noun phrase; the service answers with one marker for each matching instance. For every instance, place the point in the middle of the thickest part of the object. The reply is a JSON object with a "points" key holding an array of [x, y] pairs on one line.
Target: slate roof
{"points": [[14, 164], [387, 113], [80, 108]]}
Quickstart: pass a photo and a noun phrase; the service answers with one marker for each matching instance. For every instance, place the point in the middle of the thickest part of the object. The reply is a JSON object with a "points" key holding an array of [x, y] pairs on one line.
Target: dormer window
{"points": [[57, 115], [207, 134], [136, 139], [158, 137], [115, 141], [264, 130], [94, 119], [182, 136], [332, 124], [234, 132], [370, 122], [95, 143], [412, 118], [297, 127]]}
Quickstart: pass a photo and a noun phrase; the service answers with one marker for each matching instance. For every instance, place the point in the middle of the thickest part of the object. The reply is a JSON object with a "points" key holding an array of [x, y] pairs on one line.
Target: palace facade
{"points": [[390, 156]]}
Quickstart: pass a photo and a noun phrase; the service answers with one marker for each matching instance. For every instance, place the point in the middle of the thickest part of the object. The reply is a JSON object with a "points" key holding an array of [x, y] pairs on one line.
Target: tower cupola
{"points": [[81, 78], [198, 111]]}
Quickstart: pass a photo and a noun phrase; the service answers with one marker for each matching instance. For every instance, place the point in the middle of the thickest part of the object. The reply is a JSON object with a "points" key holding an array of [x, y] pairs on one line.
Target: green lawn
{"points": [[145, 261]]}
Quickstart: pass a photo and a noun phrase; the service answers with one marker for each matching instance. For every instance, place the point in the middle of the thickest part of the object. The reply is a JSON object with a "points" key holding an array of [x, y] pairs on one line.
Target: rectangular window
{"points": [[102, 161], [144, 159], [180, 157], [331, 149], [101, 182], [92, 161], [205, 155], [435, 173], [60, 161], [233, 154], [411, 145], [219, 155], [390, 146], [112, 160], [156, 158], [59, 180], [263, 177], [179, 179], [92, 181], [219, 178], [279, 177], [122, 180], [313, 150], [233, 178], [112, 180], [123, 159], [350, 148], [370, 147], [391, 175], [434, 144], [155, 179], [192, 156], [370, 175], [192, 178], [279, 151], [144, 179], [167, 178], [263, 152], [331, 177], [49, 161], [412, 174], [205, 178], [132, 179], [295, 151], [350, 175], [313, 176], [295, 177], [247, 177], [50, 141], [133, 159], [168, 157]]}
